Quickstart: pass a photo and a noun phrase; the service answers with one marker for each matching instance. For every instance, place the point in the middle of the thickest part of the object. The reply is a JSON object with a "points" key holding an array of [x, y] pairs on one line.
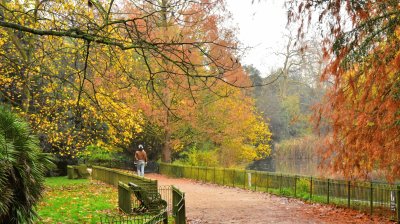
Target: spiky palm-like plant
{"points": [[22, 168]]}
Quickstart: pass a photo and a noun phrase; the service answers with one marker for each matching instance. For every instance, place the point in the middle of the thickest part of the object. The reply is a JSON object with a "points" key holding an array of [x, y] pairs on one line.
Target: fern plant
{"points": [[22, 168]]}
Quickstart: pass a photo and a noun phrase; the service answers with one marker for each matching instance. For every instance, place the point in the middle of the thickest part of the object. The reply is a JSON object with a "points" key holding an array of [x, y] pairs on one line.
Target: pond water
{"points": [[306, 167], [303, 167]]}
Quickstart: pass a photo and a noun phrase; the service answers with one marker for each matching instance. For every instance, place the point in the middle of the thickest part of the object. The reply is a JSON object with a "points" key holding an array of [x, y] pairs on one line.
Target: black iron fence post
{"points": [[234, 175], [244, 178], [295, 185], [255, 182], [311, 183], [371, 198], [165, 217], [327, 197], [205, 179], [348, 194], [198, 173], [280, 184], [398, 204], [267, 182], [223, 176], [214, 174]]}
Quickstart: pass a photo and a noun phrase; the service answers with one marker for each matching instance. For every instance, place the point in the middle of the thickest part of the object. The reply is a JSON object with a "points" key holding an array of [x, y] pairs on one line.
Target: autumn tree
{"points": [[177, 94], [226, 130], [79, 71], [66, 109], [286, 95], [362, 107]]}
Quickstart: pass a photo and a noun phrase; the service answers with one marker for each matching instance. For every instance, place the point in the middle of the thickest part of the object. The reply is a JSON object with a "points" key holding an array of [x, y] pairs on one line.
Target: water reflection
{"points": [[307, 167]]}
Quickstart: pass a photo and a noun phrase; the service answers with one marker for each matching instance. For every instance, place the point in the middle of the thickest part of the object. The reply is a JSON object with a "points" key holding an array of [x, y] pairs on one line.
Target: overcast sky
{"points": [[261, 26]]}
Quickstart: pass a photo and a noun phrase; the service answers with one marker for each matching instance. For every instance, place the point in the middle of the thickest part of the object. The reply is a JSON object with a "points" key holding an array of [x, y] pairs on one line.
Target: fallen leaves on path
{"points": [[210, 203]]}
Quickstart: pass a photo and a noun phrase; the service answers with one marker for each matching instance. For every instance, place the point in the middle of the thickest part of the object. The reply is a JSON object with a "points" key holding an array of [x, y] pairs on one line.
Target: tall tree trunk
{"points": [[285, 71], [166, 150]]}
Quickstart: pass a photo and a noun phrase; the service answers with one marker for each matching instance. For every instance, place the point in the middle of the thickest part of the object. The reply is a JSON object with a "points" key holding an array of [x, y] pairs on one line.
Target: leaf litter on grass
{"points": [[71, 201]]}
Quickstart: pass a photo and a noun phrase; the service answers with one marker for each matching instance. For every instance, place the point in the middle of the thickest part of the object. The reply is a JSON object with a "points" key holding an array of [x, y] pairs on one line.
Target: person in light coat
{"points": [[141, 160]]}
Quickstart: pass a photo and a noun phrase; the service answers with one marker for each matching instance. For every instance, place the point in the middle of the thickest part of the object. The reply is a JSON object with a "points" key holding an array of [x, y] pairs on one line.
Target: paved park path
{"points": [[209, 203]]}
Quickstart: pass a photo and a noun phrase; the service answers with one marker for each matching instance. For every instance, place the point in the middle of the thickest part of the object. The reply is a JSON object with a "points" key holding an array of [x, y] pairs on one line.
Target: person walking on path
{"points": [[141, 160]]}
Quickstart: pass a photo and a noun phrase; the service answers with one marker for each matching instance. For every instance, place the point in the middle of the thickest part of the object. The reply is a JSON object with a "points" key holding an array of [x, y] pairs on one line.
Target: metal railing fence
{"points": [[371, 197], [128, 202], [137, 219], [173, 196], [179, 209], [166, 194], [111, 176]]}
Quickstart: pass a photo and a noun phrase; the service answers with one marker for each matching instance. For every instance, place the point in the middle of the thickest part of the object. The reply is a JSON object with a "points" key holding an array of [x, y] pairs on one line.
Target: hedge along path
{"points": [[209, 203]]}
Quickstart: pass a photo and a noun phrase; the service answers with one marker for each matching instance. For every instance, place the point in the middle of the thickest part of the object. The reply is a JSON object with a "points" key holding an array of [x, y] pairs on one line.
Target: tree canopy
{"points": [[108, 73], [362, 106]]}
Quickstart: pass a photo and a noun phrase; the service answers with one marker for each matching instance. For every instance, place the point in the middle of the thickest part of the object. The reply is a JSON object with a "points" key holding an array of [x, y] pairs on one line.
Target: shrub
{"points": [[303, 188], [100, 155], [196, 157], [303, 185], [297, 148], [22, 168]]}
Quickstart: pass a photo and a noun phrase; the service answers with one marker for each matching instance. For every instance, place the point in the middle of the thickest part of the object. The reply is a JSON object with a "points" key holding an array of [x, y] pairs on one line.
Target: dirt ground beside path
{"points": [[209, 203]]}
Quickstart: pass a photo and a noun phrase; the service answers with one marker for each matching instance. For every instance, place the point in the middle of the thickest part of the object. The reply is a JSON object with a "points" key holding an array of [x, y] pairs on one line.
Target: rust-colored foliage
{"points": [[362, 107], [106, 73]]}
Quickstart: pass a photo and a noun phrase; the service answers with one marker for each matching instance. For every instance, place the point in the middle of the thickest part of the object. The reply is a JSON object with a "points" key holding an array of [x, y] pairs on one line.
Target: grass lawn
{"points": [[76, 201]]}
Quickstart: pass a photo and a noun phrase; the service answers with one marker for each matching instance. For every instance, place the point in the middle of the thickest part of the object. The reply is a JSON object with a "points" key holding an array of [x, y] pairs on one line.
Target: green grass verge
{"points": [[54, 182], [76, 201], [80, 201]]}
